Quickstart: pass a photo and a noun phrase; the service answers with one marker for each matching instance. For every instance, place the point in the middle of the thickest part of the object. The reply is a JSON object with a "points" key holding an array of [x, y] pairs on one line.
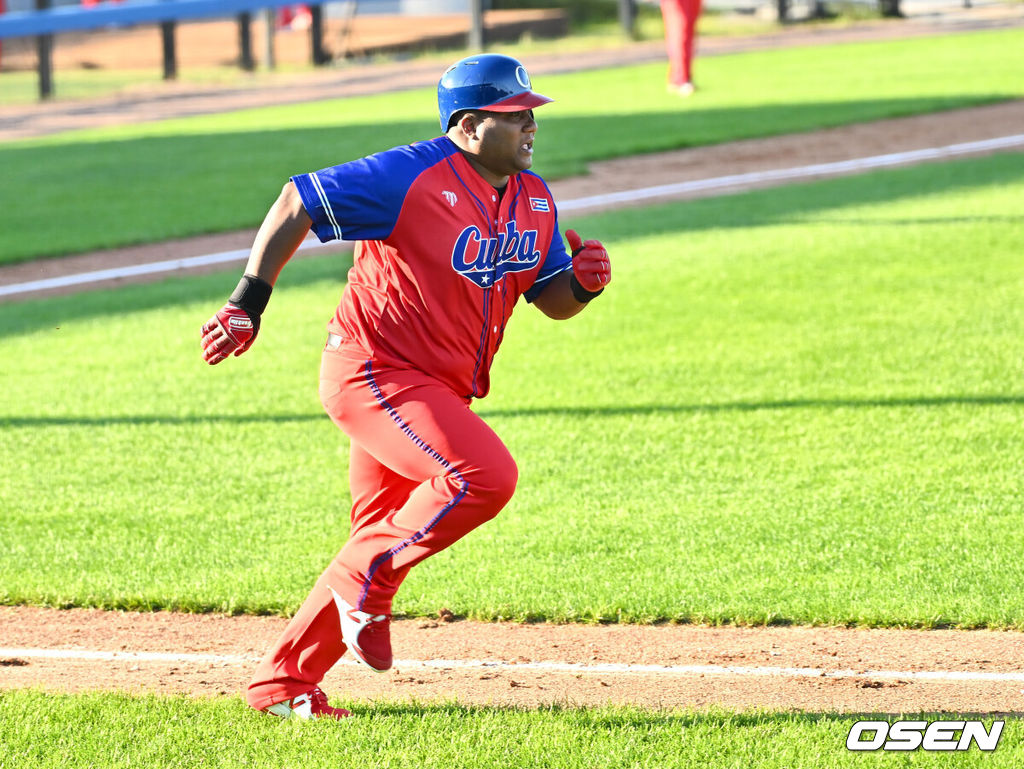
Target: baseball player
{"points": [[680, 17], [449, 234]]}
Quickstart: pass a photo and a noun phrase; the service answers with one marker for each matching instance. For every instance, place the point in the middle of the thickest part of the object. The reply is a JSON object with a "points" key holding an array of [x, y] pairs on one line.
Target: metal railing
{"points": [[46, 21]]}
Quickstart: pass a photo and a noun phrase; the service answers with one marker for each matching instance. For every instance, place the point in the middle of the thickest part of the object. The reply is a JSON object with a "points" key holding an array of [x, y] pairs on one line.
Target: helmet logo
{"points": [[522, 77]]}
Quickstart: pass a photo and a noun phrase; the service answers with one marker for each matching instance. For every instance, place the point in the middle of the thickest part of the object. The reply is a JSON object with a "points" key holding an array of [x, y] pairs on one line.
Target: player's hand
{"points": [[230, 330], [590, 264]]}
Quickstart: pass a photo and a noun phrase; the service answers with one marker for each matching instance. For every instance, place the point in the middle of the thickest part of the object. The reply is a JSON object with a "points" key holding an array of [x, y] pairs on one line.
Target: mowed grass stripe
{"points": [[798, 405], [153, 181]]}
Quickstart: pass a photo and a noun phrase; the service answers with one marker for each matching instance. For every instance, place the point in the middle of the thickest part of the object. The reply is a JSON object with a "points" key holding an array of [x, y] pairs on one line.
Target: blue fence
{"points": [[77, 18], [43, 24]]}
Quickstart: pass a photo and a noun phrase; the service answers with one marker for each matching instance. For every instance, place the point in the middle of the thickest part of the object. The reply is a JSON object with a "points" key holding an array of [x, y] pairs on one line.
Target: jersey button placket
{"points": [[486, 347], [495, 295]]}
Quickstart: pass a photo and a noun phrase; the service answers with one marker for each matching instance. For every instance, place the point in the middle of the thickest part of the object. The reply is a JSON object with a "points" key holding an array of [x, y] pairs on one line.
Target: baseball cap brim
{"points": [[519, 101]]}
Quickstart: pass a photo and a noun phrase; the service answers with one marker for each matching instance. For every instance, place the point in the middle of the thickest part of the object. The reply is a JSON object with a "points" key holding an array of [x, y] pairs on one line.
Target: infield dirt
{"points": [[844, 658]]}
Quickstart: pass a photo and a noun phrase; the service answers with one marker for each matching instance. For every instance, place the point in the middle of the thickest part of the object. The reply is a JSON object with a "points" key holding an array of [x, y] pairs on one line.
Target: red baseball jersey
{"points": [[440, 258]]}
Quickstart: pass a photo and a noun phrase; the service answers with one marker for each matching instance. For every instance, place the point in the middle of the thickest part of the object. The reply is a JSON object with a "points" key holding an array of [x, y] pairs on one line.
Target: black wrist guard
{"points": [[252, 295], [582, 295]]}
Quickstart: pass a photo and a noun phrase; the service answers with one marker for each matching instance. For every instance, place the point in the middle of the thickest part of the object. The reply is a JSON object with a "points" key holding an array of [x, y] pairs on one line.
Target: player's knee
{"points": [[495, 484], [507, 481]]}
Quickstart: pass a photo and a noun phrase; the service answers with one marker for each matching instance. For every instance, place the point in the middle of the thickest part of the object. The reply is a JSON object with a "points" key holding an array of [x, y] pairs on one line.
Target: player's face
{"points": [[506, 142]]}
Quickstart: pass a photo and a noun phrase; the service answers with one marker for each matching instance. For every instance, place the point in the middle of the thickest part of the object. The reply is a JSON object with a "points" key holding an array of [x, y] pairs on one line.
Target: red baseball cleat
{"points": [[367, 636], [312, 704]]}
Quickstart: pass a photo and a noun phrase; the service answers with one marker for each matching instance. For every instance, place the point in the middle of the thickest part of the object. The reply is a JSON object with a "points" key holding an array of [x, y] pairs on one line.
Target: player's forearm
{"points": [[557, 300], [283, 230], [570, 291], [233, 329]]}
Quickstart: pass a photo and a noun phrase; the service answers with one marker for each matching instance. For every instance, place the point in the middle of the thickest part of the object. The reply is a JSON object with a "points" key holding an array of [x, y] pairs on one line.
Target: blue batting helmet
{"points": [[488, 81]]}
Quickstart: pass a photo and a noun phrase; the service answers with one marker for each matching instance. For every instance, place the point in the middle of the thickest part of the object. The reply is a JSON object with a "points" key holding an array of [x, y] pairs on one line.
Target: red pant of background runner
{"points": [[680, 17], [425, 470]]}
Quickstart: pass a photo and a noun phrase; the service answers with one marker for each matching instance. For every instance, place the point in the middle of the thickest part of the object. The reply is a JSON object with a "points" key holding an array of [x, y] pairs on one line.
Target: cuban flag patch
{"points": [[540, 204]]}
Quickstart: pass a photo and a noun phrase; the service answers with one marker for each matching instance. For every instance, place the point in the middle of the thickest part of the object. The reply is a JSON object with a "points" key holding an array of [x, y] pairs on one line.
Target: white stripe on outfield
{"points": [[113, 273], [799, 172], [539, 667], [626, 196]]}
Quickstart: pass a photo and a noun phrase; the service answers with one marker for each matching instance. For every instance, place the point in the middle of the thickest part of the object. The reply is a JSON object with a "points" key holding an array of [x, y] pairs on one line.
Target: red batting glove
{"points": [[230, 330], [590, 264]]}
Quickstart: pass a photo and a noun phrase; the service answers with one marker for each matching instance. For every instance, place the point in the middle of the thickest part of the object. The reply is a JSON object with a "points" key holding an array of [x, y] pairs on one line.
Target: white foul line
{"points": [[124, 656], [577, 204], [799, 172], [538, 667], [129, 271]]}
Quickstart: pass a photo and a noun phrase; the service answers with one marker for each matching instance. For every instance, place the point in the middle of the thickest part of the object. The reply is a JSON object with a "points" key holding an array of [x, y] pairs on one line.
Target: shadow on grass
{"points": [[577, 412], [740, 406], [161, 420]]}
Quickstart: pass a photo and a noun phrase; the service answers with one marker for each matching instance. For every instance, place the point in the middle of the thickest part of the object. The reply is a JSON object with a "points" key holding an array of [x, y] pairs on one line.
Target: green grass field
{"points": [[797, 405], [153, 181], [793, 405], [120, 731]]}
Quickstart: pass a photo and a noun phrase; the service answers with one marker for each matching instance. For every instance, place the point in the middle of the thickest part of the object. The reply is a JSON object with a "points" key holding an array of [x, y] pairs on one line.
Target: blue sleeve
{"points": [[361, 200], [556, 260]]}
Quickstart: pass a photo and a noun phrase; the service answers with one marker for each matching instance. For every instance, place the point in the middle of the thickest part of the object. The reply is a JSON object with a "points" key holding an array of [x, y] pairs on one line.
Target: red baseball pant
{"points": [[425, 470], [680, 17]]}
